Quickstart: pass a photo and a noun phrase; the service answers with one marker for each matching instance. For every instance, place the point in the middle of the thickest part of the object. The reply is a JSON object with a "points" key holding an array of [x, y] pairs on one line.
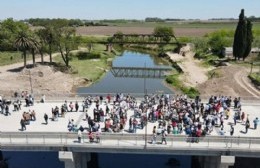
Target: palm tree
{"points": [[24, 43], [50, 40], [47, 36], [34, 47]]}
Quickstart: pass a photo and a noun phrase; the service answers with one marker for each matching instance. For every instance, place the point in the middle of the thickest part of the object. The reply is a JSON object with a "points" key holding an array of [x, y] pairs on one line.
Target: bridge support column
{"points": [[74, 159], [227, 161], [67, 158], [216, 161]]}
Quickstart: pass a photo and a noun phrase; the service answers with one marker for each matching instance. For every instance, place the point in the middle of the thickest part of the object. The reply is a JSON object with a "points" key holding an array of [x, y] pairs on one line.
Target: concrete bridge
{"points": [[212, 150], [134, 143]]}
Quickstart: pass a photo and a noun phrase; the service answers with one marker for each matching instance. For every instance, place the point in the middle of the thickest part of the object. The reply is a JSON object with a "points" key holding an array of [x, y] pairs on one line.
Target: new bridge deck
{"points": [[55, 135]]}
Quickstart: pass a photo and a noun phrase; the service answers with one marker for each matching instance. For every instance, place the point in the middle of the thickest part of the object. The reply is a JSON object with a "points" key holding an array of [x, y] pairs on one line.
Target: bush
{"points": [[85, 55], [190, 92]]}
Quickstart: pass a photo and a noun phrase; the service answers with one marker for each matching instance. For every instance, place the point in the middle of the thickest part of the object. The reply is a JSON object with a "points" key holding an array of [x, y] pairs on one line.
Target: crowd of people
{"points": [[124, 113], [172, 115]]}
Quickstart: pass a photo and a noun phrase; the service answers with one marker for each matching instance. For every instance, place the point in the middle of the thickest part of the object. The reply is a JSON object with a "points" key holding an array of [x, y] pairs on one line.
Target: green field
{"points": [[10, 58]]}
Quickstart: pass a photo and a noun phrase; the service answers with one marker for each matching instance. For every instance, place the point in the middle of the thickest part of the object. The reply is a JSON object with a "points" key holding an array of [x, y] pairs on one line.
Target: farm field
{"points": [[181, 29]]}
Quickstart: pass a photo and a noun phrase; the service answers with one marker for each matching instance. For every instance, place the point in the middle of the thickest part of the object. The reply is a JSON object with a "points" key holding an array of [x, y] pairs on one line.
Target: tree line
{"points": [[70, 22], [16, 35]]}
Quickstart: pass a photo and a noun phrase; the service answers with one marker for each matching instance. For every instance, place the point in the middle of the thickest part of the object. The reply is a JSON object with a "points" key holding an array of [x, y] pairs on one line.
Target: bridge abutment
{"points": [[74, 159], [216, 161]]}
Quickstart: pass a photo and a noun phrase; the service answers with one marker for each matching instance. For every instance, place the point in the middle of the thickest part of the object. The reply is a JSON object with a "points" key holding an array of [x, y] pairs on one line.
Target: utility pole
{"points": [[30, 77], [145, 92]]}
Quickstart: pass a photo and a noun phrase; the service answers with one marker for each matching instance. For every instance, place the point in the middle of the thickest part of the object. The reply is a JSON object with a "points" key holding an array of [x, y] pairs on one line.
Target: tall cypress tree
{"points": [[239, 44], [249, 39]]}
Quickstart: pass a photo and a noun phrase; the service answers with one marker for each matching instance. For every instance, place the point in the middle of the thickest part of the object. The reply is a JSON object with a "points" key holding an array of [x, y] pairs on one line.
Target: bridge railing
{"points": [[54, 139]]}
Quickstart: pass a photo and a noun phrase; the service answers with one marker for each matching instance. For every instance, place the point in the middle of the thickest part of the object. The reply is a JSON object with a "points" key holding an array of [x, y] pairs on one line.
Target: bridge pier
{"points": [[67, 158], [74, 159], [216, 161]]}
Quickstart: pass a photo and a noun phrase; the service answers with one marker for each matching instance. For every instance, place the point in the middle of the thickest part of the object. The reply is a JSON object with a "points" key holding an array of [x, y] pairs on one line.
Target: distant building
{"points": [[228, 51]]}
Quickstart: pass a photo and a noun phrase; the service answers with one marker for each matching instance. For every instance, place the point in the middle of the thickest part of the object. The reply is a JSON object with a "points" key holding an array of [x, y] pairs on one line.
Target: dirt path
{"points": [[233, 80], [194, 74]]}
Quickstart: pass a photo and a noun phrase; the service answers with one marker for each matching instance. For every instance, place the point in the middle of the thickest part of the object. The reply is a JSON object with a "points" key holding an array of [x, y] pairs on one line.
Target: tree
{"points": [[66, 41], [50, 40], [164, 33], [34, 47], [9, 30], [219, 39], [41, 41], [249, 39], [243, 37], [24, 43]]}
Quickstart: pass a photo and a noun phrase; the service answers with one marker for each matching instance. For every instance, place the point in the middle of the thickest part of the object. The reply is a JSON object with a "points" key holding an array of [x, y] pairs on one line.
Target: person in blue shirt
{"points": [[256, 122]]}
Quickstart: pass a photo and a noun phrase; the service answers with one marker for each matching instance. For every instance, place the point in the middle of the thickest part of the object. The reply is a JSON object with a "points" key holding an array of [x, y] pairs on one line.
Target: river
{"points": [[134, 86]]}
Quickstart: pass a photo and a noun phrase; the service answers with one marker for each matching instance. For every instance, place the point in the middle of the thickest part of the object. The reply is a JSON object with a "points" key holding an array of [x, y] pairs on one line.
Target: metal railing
{"points": [[50, 139]]}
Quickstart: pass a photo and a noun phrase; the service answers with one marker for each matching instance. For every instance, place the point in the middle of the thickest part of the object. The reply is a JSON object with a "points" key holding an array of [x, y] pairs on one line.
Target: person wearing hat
{"points": [[256, 121]]}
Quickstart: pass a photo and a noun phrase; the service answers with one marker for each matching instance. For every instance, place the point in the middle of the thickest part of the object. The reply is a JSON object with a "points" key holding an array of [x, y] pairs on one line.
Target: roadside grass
{"points": [[255, 77], [7, 58]]}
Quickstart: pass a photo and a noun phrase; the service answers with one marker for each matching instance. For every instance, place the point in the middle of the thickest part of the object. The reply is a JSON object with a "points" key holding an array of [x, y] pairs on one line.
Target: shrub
{"points": [[85, 55]]}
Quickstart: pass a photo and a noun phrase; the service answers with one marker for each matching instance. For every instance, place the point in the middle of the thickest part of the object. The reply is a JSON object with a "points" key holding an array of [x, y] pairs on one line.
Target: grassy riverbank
{"points": [[90, 65]]}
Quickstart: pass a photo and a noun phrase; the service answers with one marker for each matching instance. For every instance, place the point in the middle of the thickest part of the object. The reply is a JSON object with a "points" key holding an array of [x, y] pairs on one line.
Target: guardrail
{"points": [[54, 139]]}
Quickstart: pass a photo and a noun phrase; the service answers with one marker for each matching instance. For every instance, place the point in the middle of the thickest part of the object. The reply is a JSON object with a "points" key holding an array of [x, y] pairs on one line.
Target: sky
{"points": [[127, 9]]}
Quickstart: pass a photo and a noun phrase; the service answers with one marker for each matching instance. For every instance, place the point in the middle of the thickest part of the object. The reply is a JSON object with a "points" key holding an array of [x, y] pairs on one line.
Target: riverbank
{"points": [[54, 79]]}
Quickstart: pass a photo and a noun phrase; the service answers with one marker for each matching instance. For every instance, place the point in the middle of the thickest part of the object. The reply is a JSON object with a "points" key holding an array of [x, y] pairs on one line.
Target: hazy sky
{"points": [[127, 9]]}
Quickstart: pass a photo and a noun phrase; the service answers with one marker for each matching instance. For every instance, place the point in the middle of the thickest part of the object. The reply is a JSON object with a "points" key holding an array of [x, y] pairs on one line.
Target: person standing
{"points": [[22, 122], [71, 106], [256, 121], [235, 119], [135, 123], [77, 106], [46, 118], [79, 136], [247, 125], [130, 124], [231, 130], [154, 135], [164, 136]]}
